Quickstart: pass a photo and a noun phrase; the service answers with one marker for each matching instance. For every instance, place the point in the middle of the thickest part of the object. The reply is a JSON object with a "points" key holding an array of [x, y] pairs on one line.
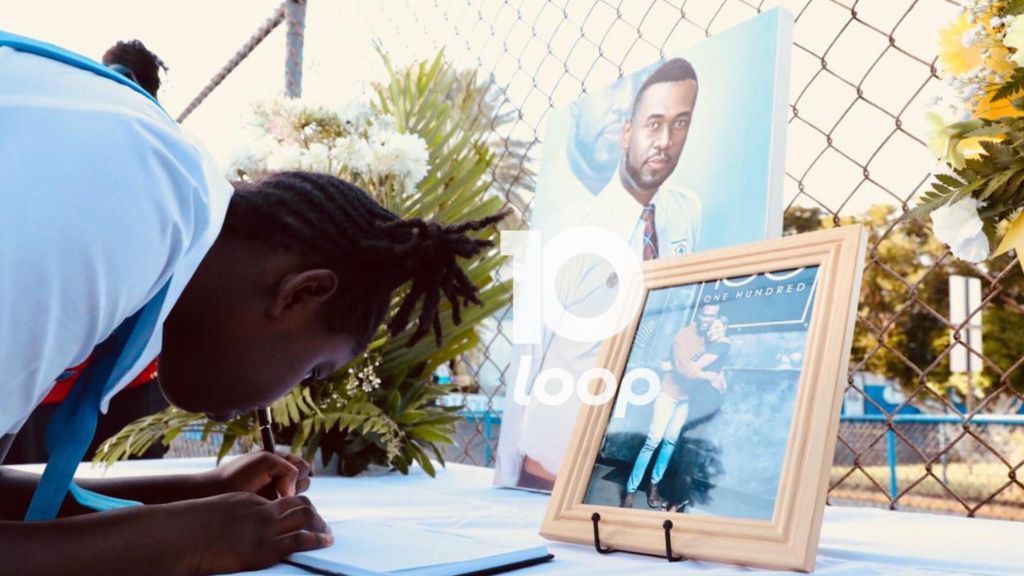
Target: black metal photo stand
{"points": [[667, 525]]}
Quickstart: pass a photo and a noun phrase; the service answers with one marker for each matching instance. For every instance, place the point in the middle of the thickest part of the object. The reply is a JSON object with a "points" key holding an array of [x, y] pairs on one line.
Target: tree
{"points": [[901, 330]]}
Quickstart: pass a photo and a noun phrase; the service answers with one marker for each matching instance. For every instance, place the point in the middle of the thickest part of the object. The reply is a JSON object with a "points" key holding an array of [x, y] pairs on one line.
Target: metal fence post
{"points": [[259, 36], [295, 16], [890, 437], [488, 456]]}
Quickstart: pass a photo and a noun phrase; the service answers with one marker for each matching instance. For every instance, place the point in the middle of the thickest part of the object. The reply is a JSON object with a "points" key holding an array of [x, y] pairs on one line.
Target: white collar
{"points": [[616, 200]]}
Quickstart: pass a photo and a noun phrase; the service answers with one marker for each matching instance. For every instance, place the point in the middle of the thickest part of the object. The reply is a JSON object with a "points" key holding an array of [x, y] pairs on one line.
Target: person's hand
{"points": [[718, 383], [665, 365], [238, 531], [215, 535], [261, 473]]}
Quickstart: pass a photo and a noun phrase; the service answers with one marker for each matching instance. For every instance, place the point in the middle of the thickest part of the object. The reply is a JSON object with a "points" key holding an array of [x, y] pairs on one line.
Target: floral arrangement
{"points": [[978, 131], [353, 141], [418, 151]]}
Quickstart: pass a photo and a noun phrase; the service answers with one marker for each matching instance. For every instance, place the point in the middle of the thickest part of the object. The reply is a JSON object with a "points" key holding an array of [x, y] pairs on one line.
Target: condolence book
{"points": [[368, 548]]}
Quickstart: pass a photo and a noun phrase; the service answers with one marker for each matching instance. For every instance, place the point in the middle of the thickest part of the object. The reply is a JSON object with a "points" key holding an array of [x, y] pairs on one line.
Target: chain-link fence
{"points": [[863, 76], [930, 463]]}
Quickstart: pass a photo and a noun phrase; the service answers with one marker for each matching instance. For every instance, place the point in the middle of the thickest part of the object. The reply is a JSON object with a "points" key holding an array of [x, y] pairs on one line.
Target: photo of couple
{"points": [[728, 355], [694, 374]]}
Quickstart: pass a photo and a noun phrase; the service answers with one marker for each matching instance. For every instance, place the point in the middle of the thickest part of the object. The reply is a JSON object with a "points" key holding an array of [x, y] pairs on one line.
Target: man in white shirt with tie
{"points": [[655, 220]]}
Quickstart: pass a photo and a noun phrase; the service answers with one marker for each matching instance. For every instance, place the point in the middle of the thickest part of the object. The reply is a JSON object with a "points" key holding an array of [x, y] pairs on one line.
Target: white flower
{"points": [[370, 144], [400, 155], [1015, 39], [353, 153], [959, 226], [278, 118], [384, 124], [285, 157], [317, 158], [353, 114], [414, 154], [263, 147]]}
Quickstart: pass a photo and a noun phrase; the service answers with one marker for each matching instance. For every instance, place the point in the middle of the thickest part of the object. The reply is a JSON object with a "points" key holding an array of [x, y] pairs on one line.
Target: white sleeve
{"points": [[96, 206]]}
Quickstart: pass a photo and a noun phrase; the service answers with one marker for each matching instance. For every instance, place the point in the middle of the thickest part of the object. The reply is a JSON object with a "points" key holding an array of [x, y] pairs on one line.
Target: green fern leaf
{"points": [[1011, 86]]}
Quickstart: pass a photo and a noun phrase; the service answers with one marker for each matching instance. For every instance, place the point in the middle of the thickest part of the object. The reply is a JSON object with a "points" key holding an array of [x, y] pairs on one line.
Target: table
{"points": [[854, 541]]}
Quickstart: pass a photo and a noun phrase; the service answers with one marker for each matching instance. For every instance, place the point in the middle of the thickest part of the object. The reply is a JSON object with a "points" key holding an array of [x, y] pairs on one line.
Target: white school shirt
{"points": [[586, 290], [103, 198]]}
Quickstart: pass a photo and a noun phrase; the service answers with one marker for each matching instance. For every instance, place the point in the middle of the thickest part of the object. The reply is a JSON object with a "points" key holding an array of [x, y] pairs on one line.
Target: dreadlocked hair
{"points": [[334, 224]]}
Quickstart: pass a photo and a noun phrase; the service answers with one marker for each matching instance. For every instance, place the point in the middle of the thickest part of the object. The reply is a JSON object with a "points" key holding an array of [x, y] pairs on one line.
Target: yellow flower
{"points": [[971, 147], [958, 59], [999, 63], [955, 57], [1013, 239]]}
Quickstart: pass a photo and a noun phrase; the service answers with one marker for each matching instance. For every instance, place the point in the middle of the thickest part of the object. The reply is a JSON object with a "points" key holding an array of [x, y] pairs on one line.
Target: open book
{"points": [[370, 548]]}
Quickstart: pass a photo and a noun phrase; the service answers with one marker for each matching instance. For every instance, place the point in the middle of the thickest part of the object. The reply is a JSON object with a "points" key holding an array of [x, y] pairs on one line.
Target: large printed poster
{"points": [[683, 155]]}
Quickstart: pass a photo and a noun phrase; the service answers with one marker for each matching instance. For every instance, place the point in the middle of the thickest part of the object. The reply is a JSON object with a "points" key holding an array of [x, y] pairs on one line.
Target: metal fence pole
{"points": [[894, 487], [259, 36], [295, 16]]}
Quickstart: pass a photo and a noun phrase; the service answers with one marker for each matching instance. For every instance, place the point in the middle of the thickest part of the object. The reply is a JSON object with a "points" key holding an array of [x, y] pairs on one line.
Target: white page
{"points": [[380, 547]]}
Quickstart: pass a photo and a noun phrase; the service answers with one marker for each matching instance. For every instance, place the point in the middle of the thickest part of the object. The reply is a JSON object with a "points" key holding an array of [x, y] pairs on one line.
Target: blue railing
{"points": [[1008, 419], [490, 418], [890, 433]]}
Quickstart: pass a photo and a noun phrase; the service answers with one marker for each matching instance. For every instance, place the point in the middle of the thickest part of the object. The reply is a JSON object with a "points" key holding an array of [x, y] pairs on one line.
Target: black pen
{"points": [[267, 435]]}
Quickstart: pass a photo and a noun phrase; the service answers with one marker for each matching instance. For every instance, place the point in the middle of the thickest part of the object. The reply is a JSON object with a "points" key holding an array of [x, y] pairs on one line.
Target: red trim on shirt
{"points": [[61, 389]]}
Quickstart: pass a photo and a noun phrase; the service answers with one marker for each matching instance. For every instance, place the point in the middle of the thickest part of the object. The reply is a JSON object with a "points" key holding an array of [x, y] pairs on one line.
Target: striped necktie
{"points": [[650, 233]]}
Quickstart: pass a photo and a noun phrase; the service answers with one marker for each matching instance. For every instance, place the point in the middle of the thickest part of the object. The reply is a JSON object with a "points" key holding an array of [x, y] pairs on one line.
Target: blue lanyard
{"points": [[73, 423]]}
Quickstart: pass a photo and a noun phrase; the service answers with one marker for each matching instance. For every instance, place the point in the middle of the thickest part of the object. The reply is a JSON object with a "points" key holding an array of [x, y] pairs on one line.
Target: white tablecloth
{"points": [[854, 541]]}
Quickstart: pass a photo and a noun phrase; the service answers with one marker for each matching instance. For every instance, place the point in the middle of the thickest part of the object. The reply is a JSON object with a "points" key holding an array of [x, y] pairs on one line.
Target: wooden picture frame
{"points": [[789, 538]]}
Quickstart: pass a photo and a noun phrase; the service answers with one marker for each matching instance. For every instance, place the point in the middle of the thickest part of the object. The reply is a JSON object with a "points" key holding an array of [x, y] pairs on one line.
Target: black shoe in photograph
{"points": [[654, 500]]}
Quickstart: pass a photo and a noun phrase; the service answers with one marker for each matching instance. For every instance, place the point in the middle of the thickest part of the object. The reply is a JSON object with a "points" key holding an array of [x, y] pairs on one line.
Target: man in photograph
{"points": [[593, 148], [699, 352], [655, 219], [652, 142]]}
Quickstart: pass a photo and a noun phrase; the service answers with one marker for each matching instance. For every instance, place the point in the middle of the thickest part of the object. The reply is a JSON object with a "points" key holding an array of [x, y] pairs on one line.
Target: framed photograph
{"points": [[723, 400]]}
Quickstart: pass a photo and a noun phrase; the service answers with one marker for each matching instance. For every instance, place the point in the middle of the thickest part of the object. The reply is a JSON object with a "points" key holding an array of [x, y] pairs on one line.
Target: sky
{"points": [[196, 38]]}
